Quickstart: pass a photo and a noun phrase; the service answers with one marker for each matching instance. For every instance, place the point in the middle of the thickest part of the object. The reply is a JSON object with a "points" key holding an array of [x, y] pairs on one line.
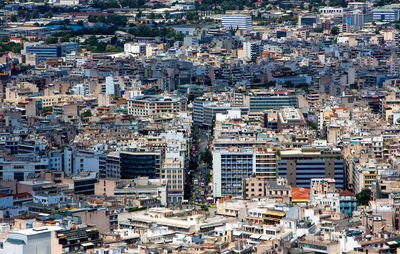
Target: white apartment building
{"points": [[135, 48], [33, 240]]}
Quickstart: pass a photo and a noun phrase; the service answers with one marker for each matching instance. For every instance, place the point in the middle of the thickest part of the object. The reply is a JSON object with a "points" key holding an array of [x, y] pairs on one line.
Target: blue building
{"points": [[140, 164], [299, 166], [348, 202], [44, 51]]}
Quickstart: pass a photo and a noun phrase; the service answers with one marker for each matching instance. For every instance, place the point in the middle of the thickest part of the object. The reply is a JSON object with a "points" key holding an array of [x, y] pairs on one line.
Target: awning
{"points": [[264, 237], [236, 233], [255, 236], [275, 213], [87, 244]]}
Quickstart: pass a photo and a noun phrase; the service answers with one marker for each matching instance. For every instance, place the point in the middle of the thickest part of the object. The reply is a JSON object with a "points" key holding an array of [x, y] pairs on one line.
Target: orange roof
{"points": [[346, 193], [300, 193]]}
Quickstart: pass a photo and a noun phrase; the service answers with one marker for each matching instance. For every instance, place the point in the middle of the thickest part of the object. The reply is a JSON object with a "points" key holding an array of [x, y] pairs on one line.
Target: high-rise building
{"points": [[232, 166], [251, 49], [241, 22], [173, 171]]}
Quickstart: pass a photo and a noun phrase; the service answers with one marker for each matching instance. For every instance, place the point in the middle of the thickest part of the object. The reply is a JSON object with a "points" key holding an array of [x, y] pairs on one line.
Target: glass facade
{"points": [[138, 165], [235, 168]]}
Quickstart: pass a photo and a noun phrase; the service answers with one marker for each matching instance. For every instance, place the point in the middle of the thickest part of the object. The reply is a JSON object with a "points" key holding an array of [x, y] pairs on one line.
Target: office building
{"points": [[241, 22], [140, 164], [44, 51], [299, 166], [357, 18], [232, 166], [385, 14], [20, 170], [83, 184], [276, 100], [307, 20]]}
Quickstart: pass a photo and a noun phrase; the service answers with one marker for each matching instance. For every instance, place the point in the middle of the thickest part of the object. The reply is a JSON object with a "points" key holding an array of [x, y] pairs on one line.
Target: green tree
{"points": [[87, 113], [206, 156], [363, 197], [335, 30]]}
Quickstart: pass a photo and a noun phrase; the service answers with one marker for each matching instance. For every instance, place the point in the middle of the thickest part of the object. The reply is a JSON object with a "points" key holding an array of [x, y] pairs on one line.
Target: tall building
{"points": [[252, 49], [173, 171], [232, 166], [299, 166], [111, 87], [140, 164], [241, 22], [357, 18]]}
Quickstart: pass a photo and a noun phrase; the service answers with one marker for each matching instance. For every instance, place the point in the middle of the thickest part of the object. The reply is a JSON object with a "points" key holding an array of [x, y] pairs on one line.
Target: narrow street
{"points": [[199, 179]]}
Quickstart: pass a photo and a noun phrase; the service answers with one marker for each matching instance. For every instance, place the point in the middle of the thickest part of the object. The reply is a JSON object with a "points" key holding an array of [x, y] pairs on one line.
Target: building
{"points": [[252, 50], [112, 86], [153, 105], [230, 168], [357, 18], [289, 118], [233, 165], [276, 100], [259, 187], [330, 11], [299, 166], [173, 171], [33, 240], [83, 184], [79, 239], [140, 164], [135, 48], [385, 14], [307, 20], [241, 22], [44, 51], [20, 170], [348, 202]]}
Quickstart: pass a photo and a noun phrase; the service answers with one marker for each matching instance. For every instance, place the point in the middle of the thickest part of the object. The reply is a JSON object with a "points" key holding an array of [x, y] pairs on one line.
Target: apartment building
{"points": [[154, 105], [172, 170]]}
